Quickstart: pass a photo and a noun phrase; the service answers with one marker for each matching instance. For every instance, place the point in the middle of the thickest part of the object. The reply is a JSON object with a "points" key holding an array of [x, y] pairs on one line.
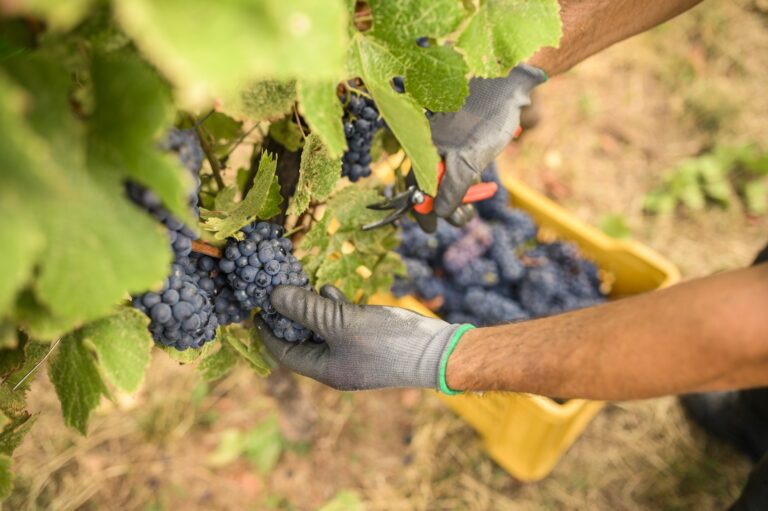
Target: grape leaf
{"points": [[287, 134], [319, 173], [247, 346], [6, 476], [274, 39], [503, 33], [376, 65], [122, 343], [436, 76], [93, 263], [225, 199], [38, 321], [187, 356], [21, 241], [264, 100], [218, 364], [133, 106], [271, 206], [77, 381], [14, 431], [58, 15], [222, 127], [16, 379], [321, 108], [338, 252], [248, 209]]}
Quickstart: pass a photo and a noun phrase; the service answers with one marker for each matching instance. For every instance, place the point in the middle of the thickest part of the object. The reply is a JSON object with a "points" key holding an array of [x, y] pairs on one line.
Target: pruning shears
{"points": [[414, 199]]}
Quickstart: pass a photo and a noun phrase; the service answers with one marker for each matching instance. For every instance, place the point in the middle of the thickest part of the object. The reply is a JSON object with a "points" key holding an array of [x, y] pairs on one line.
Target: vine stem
{"points": [[215, 165], [202, 247]]}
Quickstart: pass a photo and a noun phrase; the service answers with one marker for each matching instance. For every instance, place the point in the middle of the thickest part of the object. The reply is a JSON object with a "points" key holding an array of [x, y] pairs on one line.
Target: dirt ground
{"points": [[608, 132]]}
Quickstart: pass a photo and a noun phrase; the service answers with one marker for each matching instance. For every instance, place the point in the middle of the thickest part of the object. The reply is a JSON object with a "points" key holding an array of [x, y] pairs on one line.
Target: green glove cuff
{"points": [[443, 385]]}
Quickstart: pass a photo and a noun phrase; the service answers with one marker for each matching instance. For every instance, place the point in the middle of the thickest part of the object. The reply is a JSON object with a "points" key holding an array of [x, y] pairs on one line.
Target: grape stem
{"points": [[202, 247], [215, 165]]}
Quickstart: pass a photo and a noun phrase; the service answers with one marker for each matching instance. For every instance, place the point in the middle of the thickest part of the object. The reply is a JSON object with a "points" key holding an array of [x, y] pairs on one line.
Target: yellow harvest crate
{"points": [[526, 434]]}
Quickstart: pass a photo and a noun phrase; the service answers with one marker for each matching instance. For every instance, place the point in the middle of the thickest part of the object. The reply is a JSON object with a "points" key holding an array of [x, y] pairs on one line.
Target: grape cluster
{"points": [[186, 145], [361, 121], [256, 265], [202, 293], [492, 270], [181, 312]]}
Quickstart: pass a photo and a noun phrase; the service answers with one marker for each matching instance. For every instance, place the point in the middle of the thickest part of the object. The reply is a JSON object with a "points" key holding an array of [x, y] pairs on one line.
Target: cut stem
{"points": [[202, 247]]}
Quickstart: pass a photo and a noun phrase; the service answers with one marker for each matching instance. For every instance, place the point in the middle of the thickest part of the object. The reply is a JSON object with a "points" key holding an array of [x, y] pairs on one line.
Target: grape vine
{"points": [[105, 114]]}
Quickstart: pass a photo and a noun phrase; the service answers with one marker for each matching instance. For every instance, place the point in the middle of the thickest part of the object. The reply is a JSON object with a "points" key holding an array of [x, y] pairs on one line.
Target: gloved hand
{"points": [[470, 139], [366, 347]]}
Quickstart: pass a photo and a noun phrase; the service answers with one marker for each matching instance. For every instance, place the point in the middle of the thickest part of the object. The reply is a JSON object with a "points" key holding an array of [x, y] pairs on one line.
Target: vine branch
{"points": [[215, 165]]}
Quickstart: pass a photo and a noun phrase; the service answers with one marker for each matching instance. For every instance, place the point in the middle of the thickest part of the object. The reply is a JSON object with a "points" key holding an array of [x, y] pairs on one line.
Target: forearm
{"points": [[706, 334], [590, 26]]}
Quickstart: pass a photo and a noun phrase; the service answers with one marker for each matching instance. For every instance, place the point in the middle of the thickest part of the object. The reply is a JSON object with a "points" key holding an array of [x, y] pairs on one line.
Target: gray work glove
{"points": [[470, 139], [366, 346]]}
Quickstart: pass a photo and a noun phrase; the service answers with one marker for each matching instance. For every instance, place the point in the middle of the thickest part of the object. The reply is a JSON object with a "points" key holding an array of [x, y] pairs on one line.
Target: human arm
{"points": [[590, 26], [706, 334]]}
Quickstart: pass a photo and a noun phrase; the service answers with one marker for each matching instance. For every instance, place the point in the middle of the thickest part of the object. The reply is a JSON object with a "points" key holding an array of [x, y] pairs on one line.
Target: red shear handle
{"points": [[475, 193]]}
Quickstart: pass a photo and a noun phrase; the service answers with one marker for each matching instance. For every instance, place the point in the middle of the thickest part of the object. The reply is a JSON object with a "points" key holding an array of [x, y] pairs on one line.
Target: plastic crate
{"points": [[527, 434]]}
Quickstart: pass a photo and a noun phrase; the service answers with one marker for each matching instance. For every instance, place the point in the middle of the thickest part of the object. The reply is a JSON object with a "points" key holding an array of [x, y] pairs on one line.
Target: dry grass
{"points": [[609, 130]]}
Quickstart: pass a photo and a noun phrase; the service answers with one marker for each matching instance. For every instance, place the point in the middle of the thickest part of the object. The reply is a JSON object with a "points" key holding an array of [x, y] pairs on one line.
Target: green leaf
{"points": [[321, 108], [271, 206], [247, 345], [18, 374], [77, 381], [615, 226], [344, 500], [503, 33], [756, 197], [263, 445], [264, 100], [286, 133], [13, 432], [43, 157], [271, 39], [6, 476], [319, 173], [339, 252], [249, 208], [436, 76], [187, 356], [58, 15], [218, 364], [376, 65], [123, 344], [225, 199], [222, 127], [133, 107], [38, 321], [21, 241]]}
